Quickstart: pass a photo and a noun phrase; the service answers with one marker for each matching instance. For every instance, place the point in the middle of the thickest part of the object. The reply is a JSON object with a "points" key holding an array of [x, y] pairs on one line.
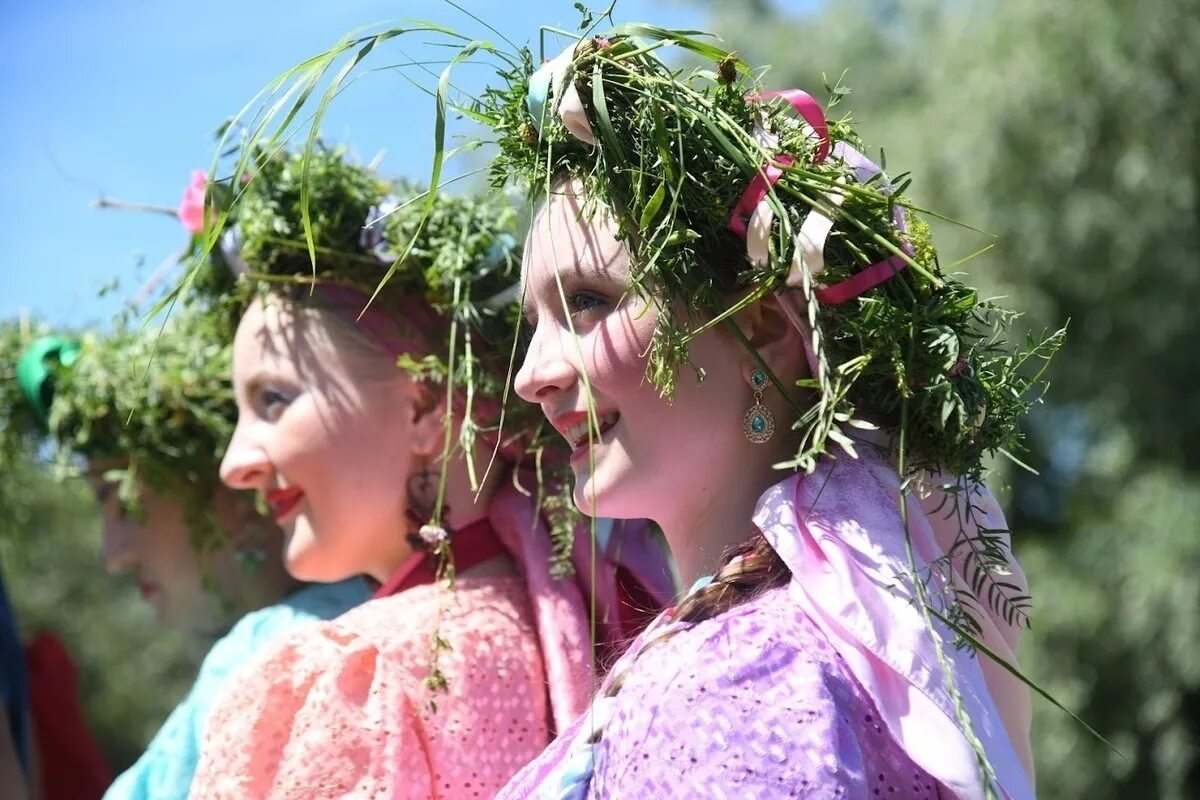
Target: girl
{"points": [[151, 412], [370, 435], [720, 285]]}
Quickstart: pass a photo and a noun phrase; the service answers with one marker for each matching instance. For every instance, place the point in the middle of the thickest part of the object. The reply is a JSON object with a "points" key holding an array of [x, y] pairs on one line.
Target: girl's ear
{"points": [[428, 419], [770, 331]]}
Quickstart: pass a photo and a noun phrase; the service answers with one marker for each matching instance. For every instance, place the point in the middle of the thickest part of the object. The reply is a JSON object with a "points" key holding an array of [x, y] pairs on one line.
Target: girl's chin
{"points": [[605, 498], [302, 557]]}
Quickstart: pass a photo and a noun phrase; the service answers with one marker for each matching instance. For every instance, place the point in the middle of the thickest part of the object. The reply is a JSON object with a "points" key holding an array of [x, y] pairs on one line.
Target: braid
{"points": [[749, 569]]}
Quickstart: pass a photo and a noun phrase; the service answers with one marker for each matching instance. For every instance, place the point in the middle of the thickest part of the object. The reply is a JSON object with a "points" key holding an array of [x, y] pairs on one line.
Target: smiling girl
{"points": [[371, 434], [741, 329], [200, 554]]}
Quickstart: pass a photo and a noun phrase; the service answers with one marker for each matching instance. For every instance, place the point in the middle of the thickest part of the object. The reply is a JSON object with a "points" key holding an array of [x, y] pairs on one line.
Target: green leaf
{"points": [[652, 205]]}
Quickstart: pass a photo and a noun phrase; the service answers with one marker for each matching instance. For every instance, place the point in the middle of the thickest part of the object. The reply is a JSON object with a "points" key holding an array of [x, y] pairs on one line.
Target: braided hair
{"points": [[749, 569]]}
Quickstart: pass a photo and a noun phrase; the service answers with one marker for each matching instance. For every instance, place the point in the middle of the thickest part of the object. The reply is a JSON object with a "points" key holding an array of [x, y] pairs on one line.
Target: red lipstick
{"points": [[283, 502]]}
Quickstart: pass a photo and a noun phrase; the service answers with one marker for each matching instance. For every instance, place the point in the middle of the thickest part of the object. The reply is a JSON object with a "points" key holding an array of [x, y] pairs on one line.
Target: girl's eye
{"points": [[583, 302], [273, 403]]}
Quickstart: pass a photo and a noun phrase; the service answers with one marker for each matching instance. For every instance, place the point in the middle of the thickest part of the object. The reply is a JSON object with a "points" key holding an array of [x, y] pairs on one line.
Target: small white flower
{"points": [[432, 534]]}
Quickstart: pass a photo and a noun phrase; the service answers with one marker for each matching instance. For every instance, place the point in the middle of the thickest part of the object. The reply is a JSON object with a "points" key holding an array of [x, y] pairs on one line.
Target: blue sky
{"points": [[119, 98]]}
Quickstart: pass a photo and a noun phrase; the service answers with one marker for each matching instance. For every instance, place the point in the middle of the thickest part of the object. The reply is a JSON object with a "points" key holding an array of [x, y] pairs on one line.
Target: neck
{"points": [[250, 582], [716, 517], [464, 504]]}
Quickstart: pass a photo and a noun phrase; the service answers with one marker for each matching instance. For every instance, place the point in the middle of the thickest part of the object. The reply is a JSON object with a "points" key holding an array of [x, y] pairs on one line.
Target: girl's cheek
{"points": [[618, 349]]}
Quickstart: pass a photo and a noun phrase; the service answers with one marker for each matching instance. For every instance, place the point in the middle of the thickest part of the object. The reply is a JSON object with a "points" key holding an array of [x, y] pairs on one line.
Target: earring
{"points": [[422, 495], [759, 424], [251, 559]]}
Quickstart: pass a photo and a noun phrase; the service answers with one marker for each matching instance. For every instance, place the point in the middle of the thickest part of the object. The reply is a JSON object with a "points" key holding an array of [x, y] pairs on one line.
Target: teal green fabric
{"points": [[35, 370], [164, 772]]}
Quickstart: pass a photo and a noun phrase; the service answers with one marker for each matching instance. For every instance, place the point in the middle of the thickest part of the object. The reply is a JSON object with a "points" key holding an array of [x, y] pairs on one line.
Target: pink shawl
{"points": [[840, 533], [626, 559]]}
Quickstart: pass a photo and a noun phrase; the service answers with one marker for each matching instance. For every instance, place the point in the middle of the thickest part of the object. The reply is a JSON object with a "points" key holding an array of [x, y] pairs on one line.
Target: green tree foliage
{"points": [[131, 671], [1068, 130]]}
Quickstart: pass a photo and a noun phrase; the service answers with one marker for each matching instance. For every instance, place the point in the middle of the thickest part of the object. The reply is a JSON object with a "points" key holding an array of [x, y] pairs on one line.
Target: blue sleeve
{"points": [[165, 770]]}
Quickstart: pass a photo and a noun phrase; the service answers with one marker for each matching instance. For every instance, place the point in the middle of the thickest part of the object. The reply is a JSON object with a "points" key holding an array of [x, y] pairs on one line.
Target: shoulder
{"points": [[474, 607], [354, 689], [758, 638], [382, 644], [754, 701], [306, 605]]}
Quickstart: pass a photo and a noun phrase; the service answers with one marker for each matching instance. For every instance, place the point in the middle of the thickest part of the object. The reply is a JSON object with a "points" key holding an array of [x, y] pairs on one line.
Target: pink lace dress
{"points": [[342, 709]]}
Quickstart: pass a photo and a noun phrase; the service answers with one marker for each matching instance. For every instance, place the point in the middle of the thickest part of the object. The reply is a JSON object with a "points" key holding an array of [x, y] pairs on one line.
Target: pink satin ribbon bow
{"points": [[752, 215]]}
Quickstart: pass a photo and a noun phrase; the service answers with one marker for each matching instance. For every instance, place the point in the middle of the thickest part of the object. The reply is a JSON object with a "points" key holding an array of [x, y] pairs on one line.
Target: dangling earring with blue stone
{"points": [[759, 424]]}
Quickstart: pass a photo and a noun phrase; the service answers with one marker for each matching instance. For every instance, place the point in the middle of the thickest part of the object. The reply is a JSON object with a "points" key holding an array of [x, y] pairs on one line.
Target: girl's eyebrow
{"points": [[249, 389]]}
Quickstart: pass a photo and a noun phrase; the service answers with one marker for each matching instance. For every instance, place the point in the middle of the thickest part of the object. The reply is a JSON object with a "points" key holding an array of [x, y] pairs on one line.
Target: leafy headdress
{"points": [[434, 291], [723, 193], [154, 404]]}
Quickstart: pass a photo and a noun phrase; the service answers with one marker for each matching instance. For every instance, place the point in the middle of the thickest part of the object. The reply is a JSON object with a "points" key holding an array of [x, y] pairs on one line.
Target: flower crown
{"points": [[724, 192], [316, 219], [156, 402]]}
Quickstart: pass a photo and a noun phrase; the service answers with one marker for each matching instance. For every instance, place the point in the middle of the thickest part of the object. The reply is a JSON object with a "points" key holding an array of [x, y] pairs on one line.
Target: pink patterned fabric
{"points": [[753, 704], [625, 561], [828, 687], [624, 574], [840, 532], [341, 710]]}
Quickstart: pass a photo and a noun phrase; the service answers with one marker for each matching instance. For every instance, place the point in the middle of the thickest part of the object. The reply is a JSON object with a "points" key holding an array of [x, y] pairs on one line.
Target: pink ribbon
{"points": [[751, 207], [861, 282], [404, 331], [756, 192], [840, 533], [809, 109]]}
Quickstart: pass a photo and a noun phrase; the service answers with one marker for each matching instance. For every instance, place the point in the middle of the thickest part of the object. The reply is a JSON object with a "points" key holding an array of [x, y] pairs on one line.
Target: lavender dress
{"points": [[754, 703], [832, 686]]}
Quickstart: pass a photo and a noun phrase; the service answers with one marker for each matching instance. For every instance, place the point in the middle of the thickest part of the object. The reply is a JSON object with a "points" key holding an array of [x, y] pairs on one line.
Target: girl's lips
{"points": [[583, 446], [283, 502], [147, 588], [575, 426]]}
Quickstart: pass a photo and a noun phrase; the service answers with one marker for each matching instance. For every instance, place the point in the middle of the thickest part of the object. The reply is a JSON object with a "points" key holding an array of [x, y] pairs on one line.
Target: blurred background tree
{"points": [[1069, 130], [132, 671]]}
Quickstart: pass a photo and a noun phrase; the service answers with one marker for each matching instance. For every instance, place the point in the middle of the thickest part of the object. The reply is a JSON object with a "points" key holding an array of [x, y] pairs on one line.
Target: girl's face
{"points": [[155, 546], [329, 431], [650, 457]]}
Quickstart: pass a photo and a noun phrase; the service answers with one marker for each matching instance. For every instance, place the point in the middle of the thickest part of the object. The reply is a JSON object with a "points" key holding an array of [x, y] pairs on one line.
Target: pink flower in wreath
{"points": [[191, 207]]}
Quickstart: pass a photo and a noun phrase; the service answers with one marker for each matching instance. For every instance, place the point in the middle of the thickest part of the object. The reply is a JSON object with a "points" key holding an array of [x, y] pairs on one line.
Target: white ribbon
{"points": [[565, 99]]}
